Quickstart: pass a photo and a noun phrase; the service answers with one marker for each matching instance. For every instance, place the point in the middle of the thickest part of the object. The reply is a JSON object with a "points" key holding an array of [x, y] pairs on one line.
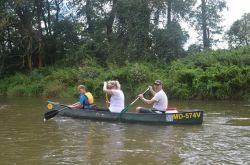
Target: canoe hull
{"points": [[186, 117]]}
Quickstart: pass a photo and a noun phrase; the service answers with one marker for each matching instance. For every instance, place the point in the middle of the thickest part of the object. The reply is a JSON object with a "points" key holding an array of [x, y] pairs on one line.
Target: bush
{"points": [[67, 76], [18, 79], [18, 90], [36, 88], [3, 87], [53, 89]]}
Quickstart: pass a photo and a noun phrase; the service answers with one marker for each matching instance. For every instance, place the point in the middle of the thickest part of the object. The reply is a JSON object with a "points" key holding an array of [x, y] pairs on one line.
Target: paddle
{"points": [[50, 114], [107, 100], [128, 106]]}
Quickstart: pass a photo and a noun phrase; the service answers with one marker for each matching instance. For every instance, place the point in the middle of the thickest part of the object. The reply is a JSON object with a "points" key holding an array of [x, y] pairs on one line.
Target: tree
{"points": [[38, 33], [207, 19], [34, 33], [168, 43], [169, 10], [194, 49], [239, 33]]}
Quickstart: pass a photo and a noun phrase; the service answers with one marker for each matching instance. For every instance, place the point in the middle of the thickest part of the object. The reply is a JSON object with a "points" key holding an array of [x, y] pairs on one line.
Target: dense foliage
{"points": [[207, 20], [48, 47], [38, 33], [239, 33], [221, 74]]}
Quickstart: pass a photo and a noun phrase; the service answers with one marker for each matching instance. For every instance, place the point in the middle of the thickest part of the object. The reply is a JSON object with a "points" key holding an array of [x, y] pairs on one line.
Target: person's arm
{"points": [[151, 90], [108, 91], [146, 100], [118, 84], [81, 104], [76, 106]]}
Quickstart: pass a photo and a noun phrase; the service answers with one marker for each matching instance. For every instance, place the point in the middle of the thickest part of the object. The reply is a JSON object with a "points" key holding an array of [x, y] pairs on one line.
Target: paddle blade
{"points": [[50, 114]]}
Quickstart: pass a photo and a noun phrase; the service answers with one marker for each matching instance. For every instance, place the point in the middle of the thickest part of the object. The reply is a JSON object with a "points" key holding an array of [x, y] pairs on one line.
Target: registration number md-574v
{"points": [[180, 116]]}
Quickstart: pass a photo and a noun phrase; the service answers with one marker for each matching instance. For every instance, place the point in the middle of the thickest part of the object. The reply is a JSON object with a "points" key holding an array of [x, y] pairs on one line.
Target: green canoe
{"points": [[183, 117]]}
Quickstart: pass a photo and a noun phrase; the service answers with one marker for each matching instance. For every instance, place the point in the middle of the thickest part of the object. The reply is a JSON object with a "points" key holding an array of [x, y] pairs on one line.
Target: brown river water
{"points": [[223, 138]]}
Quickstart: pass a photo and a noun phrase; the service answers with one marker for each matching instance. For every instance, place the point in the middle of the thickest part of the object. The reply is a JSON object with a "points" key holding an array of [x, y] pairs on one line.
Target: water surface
{"points": [[224, 137]]}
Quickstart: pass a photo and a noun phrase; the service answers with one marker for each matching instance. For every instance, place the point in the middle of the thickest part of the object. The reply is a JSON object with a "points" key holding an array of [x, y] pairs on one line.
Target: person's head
{"points": [[113, 85], [82, 89], [157, 85]]}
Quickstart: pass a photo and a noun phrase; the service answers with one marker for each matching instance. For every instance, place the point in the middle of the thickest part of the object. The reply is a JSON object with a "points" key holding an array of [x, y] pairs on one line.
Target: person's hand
{"points": [[104, 86], [150, 87], [140, 96], [70, 106]]}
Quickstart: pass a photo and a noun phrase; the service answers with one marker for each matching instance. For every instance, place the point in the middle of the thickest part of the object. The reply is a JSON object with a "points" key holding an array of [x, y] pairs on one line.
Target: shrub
{"points": [[66, 76], [53, 89], [18, 90], [18, 79], [36, 88], [3, 87]]}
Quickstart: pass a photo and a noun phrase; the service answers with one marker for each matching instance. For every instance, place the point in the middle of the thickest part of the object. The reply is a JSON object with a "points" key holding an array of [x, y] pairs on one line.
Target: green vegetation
{"points": [[133, 41], [221, 74], [239, 33], [39, 33], [216, 75]]}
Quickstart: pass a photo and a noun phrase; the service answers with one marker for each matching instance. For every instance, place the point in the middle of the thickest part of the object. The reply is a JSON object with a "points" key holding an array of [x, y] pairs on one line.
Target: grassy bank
{"points": [[207, 75]]}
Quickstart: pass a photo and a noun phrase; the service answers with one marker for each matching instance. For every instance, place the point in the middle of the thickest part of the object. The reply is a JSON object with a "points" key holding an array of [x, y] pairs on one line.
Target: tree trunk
{"points": [[169, 16], [25, 16], [88, 15], [9, 39], [156, 18], [57, 10], [49, 16], [110, 20], [29, 53], [45, 22], [205, 30], [39, 37]]}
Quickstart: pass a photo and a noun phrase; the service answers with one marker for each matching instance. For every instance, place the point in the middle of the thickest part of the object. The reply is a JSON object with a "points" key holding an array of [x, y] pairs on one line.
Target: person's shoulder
{"points": [[83, 96], [116, 91], [161, 92], [88, 93], [120, 90]]}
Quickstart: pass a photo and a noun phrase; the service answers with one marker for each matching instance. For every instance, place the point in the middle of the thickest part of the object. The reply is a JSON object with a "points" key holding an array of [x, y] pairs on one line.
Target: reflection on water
{"points": [[25, 139], [104, 142]]}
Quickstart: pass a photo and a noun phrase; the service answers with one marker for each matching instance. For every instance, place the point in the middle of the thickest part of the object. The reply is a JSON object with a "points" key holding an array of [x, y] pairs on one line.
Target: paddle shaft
{"points": [[63, 108], [61, 104], [139, 97], [107, 100], [125, 109]]}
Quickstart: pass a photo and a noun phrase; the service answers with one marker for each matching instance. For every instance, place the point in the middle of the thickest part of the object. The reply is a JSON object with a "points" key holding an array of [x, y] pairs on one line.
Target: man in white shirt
{"points": [[159, 101]]}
